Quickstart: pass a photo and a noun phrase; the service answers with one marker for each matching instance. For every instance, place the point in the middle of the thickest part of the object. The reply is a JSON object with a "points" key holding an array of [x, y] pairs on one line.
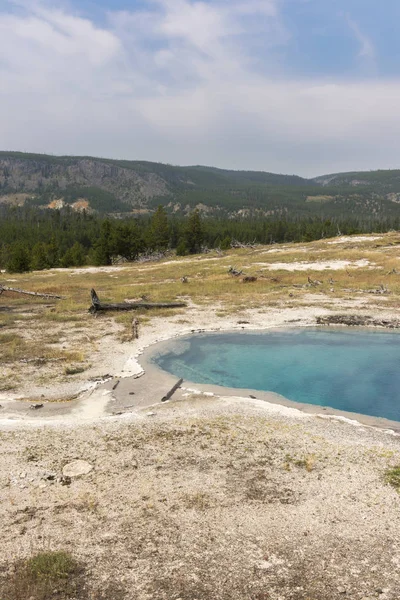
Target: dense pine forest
{"points": [[65, 211], [34, 239], [120, 187]]}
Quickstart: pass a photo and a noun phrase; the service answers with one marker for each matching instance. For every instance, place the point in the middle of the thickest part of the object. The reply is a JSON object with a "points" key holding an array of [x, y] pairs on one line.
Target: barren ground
{"points": [[207, 498]]}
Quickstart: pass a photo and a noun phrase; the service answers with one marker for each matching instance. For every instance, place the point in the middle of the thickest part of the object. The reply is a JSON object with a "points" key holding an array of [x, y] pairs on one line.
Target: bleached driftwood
{"points": [[237, 244], [97, 306], [234, 272], [4, 288]]}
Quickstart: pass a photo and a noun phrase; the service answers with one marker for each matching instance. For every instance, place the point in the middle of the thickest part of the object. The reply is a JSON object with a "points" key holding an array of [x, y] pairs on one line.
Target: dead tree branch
{"points": [[97, 306], [234, 272], [4, 288], [237, 244]]}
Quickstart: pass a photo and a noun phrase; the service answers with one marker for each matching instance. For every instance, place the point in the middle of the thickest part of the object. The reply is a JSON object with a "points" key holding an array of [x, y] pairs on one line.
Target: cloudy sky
{"points": [[289, 86]]}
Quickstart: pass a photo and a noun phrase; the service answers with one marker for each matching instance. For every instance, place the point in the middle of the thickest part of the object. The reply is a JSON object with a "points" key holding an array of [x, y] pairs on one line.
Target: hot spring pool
{"points": [[350, 370]]}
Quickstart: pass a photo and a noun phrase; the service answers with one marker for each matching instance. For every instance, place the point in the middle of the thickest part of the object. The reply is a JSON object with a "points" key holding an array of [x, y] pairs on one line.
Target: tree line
{"points": [[35, 239]]}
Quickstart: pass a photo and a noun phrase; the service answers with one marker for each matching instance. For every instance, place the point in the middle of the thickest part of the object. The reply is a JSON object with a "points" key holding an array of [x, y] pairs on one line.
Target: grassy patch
{"points": [[392, 477], [48, 331], [198, 501], [74, 370], [45, 576]]}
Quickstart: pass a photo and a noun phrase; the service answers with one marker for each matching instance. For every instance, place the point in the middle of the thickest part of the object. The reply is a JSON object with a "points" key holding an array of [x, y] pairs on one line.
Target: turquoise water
{"points": [[351, 370]]}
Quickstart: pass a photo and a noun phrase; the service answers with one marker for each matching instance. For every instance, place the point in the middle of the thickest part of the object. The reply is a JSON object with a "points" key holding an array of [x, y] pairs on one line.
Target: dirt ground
{"points": [[198, 498], [209, 499]]}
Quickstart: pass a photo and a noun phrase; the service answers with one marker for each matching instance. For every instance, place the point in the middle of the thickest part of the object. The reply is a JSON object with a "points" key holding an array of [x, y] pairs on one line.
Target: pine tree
{"points": [[39, 257], [102, 247], [194, 234], [19, 260], [159, 233], [126, 240]]}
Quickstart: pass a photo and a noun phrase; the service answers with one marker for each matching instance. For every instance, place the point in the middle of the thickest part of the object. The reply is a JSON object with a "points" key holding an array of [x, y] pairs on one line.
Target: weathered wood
{"points": [[172, 391], [4, 288], [135, 329], [234, 272], [237, 244], [97, 306]]}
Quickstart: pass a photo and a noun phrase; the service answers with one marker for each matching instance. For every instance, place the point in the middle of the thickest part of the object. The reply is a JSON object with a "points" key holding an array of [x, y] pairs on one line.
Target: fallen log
{"points": [[172, 391], [97, 306], [237, 244], [4, 288], [234, 272]]}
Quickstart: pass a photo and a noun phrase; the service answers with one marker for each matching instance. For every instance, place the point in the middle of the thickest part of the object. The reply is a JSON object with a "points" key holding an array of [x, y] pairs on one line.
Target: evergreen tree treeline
{"points": [[32, 238]]}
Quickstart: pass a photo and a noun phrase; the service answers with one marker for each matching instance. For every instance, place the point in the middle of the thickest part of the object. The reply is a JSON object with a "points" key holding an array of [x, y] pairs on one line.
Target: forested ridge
{"points": [[109, 186], [62, 211], [32, 238]]}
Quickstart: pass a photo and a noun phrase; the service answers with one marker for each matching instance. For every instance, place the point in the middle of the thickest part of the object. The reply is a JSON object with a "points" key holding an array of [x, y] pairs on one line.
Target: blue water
{"points": [[351, 370]]}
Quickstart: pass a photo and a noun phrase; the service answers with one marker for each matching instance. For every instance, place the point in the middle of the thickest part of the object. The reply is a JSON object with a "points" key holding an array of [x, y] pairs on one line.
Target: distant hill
{"points": [[122, 186], [381, 179]]}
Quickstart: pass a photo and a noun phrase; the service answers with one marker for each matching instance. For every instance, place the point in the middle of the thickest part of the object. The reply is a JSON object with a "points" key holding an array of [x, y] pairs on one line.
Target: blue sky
{"points": [[295, 86]]}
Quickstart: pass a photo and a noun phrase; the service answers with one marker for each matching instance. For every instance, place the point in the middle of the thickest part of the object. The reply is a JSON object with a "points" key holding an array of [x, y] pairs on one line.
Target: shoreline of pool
{"points": [[152, 372]]}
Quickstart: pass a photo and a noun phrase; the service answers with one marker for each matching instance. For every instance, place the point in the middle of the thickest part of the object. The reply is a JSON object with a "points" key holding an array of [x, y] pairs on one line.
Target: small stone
{"points": [[151, 414], [77, 468], [341, 590]]}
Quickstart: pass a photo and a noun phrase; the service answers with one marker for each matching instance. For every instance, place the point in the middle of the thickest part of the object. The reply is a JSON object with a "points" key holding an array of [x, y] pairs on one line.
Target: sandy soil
{"points": [[209, 499], [355, 238], [91, 394], [202, 497], [333, 265]]}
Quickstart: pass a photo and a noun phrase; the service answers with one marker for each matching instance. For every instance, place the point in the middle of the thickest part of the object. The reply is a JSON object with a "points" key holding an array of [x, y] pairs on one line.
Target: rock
{"points": [[341, 590], [36, 406], [65, 480], [77, 468], [151, 414]]}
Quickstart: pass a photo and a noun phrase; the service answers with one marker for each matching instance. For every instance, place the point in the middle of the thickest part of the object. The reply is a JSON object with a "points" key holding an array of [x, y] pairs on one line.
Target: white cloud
{"points": [[177, 83], [367, 48]]}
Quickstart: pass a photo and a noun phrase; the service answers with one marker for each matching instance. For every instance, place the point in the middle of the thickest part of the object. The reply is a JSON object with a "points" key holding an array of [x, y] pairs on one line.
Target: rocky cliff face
{"points": [[35, 176]]}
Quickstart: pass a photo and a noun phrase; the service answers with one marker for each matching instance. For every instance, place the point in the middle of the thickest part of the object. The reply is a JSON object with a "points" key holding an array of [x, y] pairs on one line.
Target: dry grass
{"points": [[198, 506], [53, 330], [44, 576], [53, 575], [392, 477]]}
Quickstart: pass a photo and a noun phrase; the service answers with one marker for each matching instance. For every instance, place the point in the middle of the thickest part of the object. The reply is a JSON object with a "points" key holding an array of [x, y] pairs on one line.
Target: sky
{"points": [[289, 86]]}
